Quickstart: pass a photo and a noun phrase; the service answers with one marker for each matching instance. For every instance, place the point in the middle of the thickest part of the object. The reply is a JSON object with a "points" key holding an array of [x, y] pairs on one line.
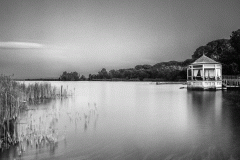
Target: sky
{"points": [[43, 38]]}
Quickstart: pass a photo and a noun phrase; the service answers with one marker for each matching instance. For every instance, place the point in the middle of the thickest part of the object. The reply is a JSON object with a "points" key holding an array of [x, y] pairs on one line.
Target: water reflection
{"points": [[232, 101], [211, 133], [132, 121]]}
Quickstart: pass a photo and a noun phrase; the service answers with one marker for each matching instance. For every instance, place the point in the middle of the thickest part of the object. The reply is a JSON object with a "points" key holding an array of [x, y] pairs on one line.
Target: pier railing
{"points": [[231, 80], [231, 76]]}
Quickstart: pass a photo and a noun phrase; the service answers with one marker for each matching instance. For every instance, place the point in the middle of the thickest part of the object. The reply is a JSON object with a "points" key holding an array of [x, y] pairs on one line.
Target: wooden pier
{"points": [[231, 82]]}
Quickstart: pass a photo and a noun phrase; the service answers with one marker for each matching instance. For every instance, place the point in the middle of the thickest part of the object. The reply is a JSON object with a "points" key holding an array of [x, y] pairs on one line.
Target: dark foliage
{"points": [[225, 51], [235, 40], [72, 76]]}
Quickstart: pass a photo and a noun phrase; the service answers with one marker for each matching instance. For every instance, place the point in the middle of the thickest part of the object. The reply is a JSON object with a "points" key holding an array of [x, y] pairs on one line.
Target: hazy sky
{"points": [[43, 38]]}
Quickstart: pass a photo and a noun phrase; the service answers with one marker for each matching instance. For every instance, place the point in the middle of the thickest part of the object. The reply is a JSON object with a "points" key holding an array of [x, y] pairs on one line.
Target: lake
{"points": [[132, 120]]}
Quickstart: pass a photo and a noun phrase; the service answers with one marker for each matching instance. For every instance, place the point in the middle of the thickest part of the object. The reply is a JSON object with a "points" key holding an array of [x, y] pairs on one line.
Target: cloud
{"points": [[20, 45]]}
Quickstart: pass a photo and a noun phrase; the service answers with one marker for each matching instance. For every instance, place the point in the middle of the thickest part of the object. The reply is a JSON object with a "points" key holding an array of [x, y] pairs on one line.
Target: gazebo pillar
{"points": [[203, 72], [215, 70], [192, 73]]}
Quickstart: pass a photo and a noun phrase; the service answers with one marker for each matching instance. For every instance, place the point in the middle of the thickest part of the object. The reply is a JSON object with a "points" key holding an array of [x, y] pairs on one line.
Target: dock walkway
{"points": [[231, 82]]}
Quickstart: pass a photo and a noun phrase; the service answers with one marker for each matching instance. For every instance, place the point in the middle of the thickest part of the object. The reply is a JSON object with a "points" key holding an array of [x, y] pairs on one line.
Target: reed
{"points": [[9, 105], [14, 96]]}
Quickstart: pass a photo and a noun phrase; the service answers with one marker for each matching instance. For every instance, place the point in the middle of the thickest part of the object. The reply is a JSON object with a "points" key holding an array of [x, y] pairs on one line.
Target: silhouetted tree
{"points": [[225, 51], [89, 77], [82, 78], [73, 76], [235, 40]]}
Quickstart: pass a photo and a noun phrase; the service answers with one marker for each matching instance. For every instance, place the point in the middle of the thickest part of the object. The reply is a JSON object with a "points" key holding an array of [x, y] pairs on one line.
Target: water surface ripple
{"points": [[133, 120]]}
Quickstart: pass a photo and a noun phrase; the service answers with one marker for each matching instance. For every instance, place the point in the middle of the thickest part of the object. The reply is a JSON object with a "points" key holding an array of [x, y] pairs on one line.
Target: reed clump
{"points": [[36, 92], [14, 96], [9, 107]]}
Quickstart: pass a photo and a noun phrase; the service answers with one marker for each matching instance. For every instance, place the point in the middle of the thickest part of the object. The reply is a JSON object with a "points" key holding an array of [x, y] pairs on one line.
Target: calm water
{"points": [[129, 120]]}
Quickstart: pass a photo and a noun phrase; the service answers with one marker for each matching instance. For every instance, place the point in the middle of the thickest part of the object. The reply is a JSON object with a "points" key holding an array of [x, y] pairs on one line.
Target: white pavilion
{"points": [[204, 74]]}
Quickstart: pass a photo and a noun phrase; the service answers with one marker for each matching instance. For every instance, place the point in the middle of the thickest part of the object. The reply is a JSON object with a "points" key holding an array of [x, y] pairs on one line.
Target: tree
{"points": [[235, 40], [89, 77], [222, 51], [82, 78], [63, 77], [127, 74], [142, 75], [138, 67], [103, 74], [146, 66], [112, 73], [73, 76], [216, 49]]}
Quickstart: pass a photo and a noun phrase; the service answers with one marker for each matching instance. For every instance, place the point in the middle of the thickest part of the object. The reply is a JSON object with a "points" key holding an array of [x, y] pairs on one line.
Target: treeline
{"points": [[72, 76], [225, 51], [171, 71]]}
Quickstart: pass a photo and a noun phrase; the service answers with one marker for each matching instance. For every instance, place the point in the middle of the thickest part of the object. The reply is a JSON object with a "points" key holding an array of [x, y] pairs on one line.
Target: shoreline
{"points": [[110, 80]]}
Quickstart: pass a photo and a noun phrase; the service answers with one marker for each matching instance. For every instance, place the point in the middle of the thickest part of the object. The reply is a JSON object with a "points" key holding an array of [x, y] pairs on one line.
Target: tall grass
{"points": [[9, 95], [13, 95]]}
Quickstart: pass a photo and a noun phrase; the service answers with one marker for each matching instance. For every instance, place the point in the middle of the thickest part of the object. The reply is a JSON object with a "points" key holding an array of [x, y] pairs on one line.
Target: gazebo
{"points": [[204, 74]]}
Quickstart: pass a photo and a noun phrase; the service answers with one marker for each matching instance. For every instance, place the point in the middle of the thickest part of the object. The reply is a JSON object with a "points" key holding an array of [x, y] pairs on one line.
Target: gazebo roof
{"points": [[204, 59]]}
